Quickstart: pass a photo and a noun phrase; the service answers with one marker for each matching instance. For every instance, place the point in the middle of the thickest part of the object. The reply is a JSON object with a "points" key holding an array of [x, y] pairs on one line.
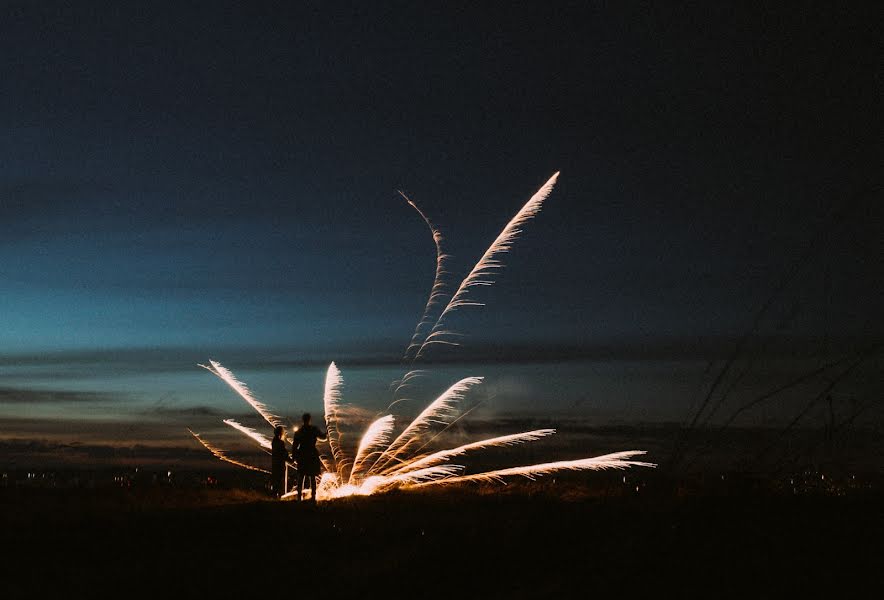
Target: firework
{"points": [[332, 403], [380, 464], [221, 455], [502, 441], [400, 464], [243, 390], [262, 439], [617, 460], [441, 411], [484, 271], [402, 383], [376, 439], [437, 293]]}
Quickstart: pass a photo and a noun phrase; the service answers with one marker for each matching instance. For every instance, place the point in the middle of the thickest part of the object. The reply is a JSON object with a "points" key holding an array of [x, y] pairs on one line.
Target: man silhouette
{"points": [[304, 452]]}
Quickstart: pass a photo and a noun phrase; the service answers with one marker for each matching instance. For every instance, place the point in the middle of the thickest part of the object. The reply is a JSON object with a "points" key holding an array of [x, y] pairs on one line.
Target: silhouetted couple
{"points": [[304, 455]]}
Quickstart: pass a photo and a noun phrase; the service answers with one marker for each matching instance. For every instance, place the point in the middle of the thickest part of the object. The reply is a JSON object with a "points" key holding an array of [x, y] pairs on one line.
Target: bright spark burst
{"points": [[379, 464], [441, 411], [332, 403], [374, 442]]}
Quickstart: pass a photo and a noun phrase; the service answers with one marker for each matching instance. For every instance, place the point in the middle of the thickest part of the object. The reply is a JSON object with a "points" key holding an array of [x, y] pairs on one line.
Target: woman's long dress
{"points": [[279, 457]]}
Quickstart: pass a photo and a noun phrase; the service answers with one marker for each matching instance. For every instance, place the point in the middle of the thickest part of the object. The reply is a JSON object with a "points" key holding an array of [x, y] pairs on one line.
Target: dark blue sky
{"points": [[222, 177]]}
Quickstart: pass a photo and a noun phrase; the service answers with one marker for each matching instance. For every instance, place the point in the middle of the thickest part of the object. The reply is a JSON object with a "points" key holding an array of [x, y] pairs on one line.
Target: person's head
{"points": [[278, 431], [306, 418]]}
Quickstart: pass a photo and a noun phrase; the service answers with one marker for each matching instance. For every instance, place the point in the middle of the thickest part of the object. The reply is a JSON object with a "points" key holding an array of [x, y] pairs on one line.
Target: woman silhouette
{"points": [[304, 452], [279, 458]]}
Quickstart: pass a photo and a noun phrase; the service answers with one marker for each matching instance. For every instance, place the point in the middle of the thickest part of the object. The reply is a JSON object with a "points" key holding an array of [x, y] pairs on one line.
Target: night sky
{"points": [[180, 183]]}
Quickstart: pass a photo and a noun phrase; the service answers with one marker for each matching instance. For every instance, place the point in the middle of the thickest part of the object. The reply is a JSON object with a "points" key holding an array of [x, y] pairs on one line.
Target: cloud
{"points": [[382, 352], [185, 411], [32, 396], [46, 453], [161, 428]]}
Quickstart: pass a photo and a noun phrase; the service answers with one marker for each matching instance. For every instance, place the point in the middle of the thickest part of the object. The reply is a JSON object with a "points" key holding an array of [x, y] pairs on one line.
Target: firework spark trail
{"points": [[243, 390], [402, 383], [437, 292], [400, 463], [441, 410], [375, 440], [483, 273], [463, 415], [379, 483], [221, 455], [332, 402], [326, 468], [397, 384], [496, 442], [262, 439], [426, 475], [617, 460]]}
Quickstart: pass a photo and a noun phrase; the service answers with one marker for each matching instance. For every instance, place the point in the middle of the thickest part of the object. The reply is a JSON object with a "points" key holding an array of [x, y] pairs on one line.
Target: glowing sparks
{"points": [[379, 464], [262, 440], [484, 271], [399, 464], [444, 455], [441, 411], [334, 381], [617, 460], [221, 455], [375, 440], [243, 390], [403, 383], [437, 293]]}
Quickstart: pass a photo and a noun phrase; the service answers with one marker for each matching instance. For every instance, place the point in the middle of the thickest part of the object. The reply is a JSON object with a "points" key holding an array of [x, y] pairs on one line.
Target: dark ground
{"points": [[551, 540]]}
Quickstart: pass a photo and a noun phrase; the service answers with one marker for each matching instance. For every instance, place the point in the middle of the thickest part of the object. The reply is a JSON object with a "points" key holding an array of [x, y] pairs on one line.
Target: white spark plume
{"points": [[378, 483], [380, 465], [376, 438], [484, 271], [444, 455], [437, 292], [221, 455], [262, 439], [332, 402], [426, 475], [440, 411], [243, 390], [617, 460]]}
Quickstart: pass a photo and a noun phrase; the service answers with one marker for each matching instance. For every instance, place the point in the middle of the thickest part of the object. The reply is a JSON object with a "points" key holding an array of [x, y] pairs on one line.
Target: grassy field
{"points": [[521, 542]]}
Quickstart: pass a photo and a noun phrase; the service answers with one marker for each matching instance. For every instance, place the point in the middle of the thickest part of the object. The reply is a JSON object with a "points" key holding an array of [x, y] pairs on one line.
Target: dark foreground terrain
{"points": [[513, 543]]}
